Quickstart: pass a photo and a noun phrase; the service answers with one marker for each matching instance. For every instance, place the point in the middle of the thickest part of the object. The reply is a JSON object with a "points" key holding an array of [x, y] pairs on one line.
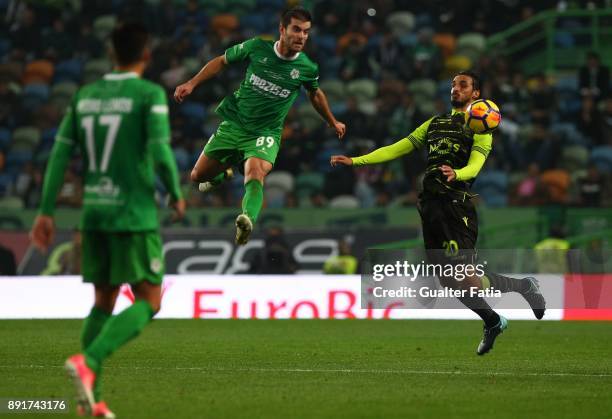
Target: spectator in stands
{"points": [[344, 263], [355, 63], [276, 257], [604, 124], [8, 265], [25, 34], [527, 191], [590, 188], [594, 78]]}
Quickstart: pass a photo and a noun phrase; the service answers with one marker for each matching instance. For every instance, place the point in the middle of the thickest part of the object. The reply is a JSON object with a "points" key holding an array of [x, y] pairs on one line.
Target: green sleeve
{"points": [[480, 150], [63, 147], [239, 52], [383, 154], [158, 141], [311, 83]]}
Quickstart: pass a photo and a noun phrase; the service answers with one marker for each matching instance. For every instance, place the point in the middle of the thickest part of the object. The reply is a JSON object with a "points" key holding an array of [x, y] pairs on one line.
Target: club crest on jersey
{"points": [[295, 73]]}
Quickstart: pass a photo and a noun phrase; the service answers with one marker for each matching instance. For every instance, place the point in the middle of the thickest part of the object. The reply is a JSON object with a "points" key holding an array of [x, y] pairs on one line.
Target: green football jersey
{"points": [[271, 84], [113, 121]]}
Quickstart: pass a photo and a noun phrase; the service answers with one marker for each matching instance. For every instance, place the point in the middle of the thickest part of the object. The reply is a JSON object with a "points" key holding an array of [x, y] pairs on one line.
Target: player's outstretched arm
{"points": [[319, 102], [380, 155], [210, 70]]}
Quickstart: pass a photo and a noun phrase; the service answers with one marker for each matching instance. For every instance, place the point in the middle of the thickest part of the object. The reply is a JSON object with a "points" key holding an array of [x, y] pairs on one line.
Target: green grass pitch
{"points": [[325, 369]]}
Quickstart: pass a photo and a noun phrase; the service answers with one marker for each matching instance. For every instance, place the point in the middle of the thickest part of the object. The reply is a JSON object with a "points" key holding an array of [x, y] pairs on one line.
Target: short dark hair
{"points": [[129, 41], [297, 12], [475, 78]]}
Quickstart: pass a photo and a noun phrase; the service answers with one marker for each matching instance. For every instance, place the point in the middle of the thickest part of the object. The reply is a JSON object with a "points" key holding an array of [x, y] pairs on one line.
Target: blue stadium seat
{"points": [[34, 95], [6, 182], [17, 158], [258, 22], [183, 160], [68, 70], [602, 158], [193, 111], [492, 186], [309, 182], [5, 138], [5, 47]]}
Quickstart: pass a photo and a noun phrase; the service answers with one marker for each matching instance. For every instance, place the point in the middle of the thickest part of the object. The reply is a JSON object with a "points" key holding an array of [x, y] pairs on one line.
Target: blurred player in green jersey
{"points": [[455, 156], [121, 129], [253, 116]]}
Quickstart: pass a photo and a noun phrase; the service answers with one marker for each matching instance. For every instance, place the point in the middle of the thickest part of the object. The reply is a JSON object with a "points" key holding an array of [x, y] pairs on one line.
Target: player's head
{"points": [[130, 44], [465, 88], [294, 28]]}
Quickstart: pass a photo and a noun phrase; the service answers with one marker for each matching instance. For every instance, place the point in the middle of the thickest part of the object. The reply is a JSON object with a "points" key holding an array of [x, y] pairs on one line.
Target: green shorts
{"points": [[119, 258], [232, 145]]}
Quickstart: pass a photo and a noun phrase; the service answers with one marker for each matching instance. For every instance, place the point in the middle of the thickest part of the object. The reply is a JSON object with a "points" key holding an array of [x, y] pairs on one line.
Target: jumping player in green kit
{"points": [[121, 129], [253, 116]]}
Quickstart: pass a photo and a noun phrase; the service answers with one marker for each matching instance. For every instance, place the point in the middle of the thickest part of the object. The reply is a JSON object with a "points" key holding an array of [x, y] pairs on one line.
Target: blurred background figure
{"points": [[275, 257], [344, 263]]}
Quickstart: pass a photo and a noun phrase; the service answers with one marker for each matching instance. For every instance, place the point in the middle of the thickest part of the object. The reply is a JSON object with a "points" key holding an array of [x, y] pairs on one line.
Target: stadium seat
{"points": [[6, 183], [68, 71], [225, 24], [183, 160], [5, 47], [308, 183], [492, 186], [275, 197], [308, 117], [401, 23], [362, 89], [25, 138], [257, 22], [240, 7], [16, 158], [64, 90], [5, 138], [574, 158], [274, 5], [557, 183], [334, 89], [423, 89], [103, 26], [456, 63], [602, 158], [11, 202], [193, 111], [344, 201], [326, 44], [280, 179], [39, 71], [446, 42], [192, 65], [472, 40], [34, 95], [95, 69], [11, 71]]}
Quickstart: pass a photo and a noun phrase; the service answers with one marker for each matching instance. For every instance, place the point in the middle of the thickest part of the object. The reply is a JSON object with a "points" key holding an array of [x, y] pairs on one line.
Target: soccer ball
{"points": [[482, 116]]}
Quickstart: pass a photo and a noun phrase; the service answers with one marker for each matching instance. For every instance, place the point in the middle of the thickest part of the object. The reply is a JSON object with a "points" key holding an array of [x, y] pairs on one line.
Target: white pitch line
{"points": [[329, 371]]}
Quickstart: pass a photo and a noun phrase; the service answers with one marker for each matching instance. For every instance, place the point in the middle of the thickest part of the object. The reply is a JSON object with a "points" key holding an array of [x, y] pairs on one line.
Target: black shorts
{"points": [[450, 227]]}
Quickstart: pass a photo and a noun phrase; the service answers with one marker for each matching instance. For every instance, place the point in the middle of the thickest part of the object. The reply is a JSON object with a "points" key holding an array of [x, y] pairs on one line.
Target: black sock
{"points": [[479, 306], [507, 284]]}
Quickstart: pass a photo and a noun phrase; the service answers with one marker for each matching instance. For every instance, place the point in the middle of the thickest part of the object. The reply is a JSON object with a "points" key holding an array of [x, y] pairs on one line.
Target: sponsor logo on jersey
{"points": [[114, 105], [295, 73], [104, 189], [269, 87], [156, 265]]}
